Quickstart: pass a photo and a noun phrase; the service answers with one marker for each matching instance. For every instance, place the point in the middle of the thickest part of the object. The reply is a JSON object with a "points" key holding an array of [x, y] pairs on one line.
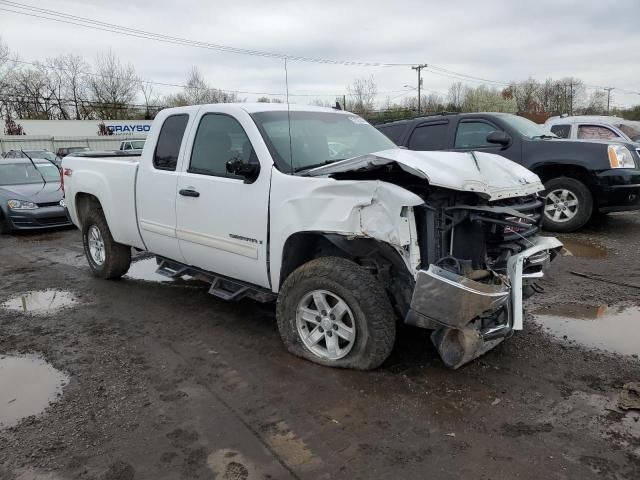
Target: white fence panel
{"points": [[36, 142]]}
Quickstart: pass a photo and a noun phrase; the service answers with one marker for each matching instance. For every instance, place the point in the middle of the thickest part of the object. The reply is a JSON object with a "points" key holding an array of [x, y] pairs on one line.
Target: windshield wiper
{"points": [[545, 135], [34, 166], [316, 165]]}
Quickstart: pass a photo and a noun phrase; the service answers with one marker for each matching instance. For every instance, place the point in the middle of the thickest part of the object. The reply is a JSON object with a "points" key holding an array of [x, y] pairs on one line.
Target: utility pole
{"points": [[608, 89], [418, 68], [571, 98]]}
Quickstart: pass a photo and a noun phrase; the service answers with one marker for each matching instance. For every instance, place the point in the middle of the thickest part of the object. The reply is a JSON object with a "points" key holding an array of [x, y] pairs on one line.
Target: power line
{"points": [[61, 17], [56, 16], [462, 76]]}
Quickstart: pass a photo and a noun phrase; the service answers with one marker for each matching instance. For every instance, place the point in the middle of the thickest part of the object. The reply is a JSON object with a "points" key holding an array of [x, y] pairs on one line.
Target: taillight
{"points": [[64, 172]]}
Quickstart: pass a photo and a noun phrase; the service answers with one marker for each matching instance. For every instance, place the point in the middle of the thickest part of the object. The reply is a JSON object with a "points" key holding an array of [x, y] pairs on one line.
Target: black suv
{"points": [[581, 177]]}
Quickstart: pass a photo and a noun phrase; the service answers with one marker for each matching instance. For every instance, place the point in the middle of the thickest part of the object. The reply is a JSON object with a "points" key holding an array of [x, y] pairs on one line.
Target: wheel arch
{"points": [[83, 202], [547, 171], [380, 258]]}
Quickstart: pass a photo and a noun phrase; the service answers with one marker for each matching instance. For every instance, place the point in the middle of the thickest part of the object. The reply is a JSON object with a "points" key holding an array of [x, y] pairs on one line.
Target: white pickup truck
{"points": [[317, 209]]}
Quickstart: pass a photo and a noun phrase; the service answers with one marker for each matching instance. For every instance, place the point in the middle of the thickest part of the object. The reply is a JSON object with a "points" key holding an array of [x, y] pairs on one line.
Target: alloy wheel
{"points": [[326, 324]]}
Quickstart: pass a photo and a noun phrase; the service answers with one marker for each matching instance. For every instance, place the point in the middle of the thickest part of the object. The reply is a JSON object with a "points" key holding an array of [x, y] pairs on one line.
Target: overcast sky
{"points": [[502, 40]]}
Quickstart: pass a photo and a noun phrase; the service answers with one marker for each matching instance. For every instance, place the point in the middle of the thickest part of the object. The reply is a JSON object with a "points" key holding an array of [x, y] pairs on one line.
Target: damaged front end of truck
{"points": [[477, 262], [479, 243]]}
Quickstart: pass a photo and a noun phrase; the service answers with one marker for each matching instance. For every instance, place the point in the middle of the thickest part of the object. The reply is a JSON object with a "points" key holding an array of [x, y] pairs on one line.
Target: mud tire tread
{"points": [[117, 256], [374, 315]]}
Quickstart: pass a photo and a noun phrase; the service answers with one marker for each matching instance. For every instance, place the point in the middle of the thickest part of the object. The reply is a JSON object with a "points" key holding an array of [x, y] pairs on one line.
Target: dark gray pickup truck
{"points": [[581, 177]]}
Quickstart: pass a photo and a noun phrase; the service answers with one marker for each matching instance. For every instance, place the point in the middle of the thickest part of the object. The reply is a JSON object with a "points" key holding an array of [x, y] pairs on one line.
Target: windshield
{"points": [[25, 173], [41, 154], [631, 130], [317, 138], [527, 128]]}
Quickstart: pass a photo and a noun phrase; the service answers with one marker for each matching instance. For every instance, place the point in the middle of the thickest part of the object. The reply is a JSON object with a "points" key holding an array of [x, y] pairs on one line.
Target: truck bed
{"points": [[111, 177]]}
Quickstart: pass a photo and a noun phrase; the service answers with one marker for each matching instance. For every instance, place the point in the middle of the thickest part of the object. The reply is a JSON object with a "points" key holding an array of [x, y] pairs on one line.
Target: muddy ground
{"points": [[167, 382]]}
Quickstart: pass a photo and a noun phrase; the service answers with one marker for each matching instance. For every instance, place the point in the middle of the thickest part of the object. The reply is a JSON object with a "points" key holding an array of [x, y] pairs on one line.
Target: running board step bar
{"points": [[221, 286], [227, 289], [171, 269]]}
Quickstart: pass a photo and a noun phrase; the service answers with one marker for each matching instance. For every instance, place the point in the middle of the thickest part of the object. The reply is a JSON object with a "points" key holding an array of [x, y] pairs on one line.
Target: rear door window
{"points": [[596, 132], [473, 134], [563, 131], [167, 150], [430, 136], [393, 132]]}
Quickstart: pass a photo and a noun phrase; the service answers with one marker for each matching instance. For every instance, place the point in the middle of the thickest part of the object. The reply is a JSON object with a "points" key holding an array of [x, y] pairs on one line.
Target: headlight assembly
{"points": [[620, 157], [21, 205]]}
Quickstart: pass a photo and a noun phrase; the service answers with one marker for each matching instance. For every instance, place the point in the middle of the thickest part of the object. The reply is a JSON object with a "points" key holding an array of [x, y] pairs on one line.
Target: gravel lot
{"points": [[167, 382]]}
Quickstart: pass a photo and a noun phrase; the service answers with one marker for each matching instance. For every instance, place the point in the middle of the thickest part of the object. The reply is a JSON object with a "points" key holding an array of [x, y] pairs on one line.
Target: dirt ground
{"points": [[167, 382]]}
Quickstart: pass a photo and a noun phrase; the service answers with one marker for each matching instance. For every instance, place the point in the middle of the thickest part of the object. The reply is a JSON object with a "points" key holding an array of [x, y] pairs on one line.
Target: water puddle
{"points": [[145, 269], [29, 385], [594, 326], [583, 249], [40, 302]]}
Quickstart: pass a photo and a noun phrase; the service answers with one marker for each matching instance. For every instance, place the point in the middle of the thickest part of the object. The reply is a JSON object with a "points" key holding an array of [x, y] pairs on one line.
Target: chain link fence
{"points": [[37, 142]]}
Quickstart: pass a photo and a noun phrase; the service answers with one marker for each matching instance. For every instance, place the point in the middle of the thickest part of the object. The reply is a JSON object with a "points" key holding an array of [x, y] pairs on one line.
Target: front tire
{"points": [[107, 258], [334, 312], [568, 204]]}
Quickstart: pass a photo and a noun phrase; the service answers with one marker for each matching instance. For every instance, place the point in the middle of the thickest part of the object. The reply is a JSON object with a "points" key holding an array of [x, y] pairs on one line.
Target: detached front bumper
{"points": [[471, 317]]}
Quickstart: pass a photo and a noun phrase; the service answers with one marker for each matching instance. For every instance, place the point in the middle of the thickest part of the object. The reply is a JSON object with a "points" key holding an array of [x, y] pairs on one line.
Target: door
{"points": [[156, 188], [471, 135], [222, 218]]}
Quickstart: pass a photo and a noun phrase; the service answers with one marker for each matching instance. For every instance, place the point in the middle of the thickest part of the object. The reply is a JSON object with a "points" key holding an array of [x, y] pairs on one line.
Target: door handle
{"points": [[189, 192]]}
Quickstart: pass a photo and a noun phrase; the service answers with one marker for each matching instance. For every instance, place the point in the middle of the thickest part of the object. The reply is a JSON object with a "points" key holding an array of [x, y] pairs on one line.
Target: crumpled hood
{"points": [[33, 192], [487, 174]]}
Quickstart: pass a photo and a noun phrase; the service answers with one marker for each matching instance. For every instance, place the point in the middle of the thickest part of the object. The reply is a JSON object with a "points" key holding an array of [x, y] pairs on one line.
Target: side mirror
{"points": [[249, 171], [499, 137]]}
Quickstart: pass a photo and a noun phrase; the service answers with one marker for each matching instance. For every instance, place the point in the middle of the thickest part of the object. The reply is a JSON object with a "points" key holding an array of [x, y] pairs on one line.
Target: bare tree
{"points": [[362, 93], [113, 88], [71, 70], [597, 103], [151, 100], [30, 94], [455, 97], [7, 67], [197, 92]]}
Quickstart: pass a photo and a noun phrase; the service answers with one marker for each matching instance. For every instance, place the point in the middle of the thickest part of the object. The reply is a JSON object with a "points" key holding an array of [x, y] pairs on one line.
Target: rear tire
{"points": [[362, 334], [107, 258], [568, 204]]}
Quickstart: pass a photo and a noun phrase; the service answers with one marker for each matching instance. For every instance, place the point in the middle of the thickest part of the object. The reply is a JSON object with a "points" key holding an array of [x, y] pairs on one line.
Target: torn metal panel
{"points": [[486, 174], [372, 209], [515, 271], [452, 300], [458, 347]]}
